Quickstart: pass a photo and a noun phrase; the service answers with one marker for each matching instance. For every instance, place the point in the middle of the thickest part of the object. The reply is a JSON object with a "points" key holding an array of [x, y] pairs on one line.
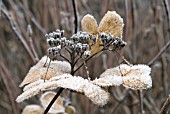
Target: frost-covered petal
{"points": [[96, 94], [33, 84], [137, 81], [39, 71], [125, 70], [109, 81], [33, 109], [57, 107], [74, 83], [48, 85], [89, 24], [112, 23]]}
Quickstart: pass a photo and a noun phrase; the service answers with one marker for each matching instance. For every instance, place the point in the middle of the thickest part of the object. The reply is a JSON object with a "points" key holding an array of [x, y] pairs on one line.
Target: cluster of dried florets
{"points": [[92, 39], [60, 106]]}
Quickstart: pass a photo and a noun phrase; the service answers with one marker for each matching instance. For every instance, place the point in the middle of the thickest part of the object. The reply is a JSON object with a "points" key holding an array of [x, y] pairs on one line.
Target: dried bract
{"points": [[33, 109], [112, 23], [89, 24], [39, 70], [134, 76], [57, 107], [109, 81]]}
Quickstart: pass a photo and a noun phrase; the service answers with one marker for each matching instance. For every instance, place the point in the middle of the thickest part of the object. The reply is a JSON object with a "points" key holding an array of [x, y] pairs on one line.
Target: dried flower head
{"points": [[134, 77], [33, 109], [39, 70], [111, 25], [57, 107]]}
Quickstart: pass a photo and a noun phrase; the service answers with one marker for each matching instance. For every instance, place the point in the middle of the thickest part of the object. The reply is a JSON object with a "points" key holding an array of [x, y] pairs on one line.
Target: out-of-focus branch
{"points": [[163, 49], [166, 106], [166, 4], [30, 32], [6, 84], [15, 28], [141, 102]]}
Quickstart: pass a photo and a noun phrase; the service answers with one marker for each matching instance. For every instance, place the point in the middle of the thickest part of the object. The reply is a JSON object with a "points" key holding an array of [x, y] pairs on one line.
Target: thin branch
{"points": [[163, 49], [87, 60], [166, 106], [75, 17], [53, 100], [64, 58]]}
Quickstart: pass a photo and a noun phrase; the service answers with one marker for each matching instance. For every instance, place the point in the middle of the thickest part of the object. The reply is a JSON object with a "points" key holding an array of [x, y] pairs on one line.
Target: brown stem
{"points": [[163, 49], [166, 106]]}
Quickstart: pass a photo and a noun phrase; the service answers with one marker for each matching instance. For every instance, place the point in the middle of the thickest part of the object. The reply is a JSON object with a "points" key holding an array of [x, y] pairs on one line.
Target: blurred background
{"points": [[24, 23]]}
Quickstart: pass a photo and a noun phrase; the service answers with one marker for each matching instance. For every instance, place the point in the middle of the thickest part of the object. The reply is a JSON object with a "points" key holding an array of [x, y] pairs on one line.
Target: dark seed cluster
{"points": [[110, 42], [80, 43]]}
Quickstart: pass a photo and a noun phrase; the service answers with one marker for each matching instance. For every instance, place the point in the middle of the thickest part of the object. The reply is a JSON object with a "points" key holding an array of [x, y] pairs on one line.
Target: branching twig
{"points": [[163, 49], [87, 60]]}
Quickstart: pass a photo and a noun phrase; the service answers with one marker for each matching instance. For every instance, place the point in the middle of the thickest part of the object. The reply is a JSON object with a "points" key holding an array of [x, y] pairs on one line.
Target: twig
{"points": [[166, 4], [141, 102], [87, 60], [14, 27], [75, 17], [53, 100], [166, 106], [64, 58], [30, 32], [163, 49]]}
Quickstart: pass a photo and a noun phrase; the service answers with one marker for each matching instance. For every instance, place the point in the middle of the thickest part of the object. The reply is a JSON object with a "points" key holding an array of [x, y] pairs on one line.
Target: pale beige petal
{"points": [[47, 85], [57, 107], [137, 81], [89, 24], [33, 84], [39, 71], [33, 109], [112, 23], [125, 70], [109, 81], [96, 94]]}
